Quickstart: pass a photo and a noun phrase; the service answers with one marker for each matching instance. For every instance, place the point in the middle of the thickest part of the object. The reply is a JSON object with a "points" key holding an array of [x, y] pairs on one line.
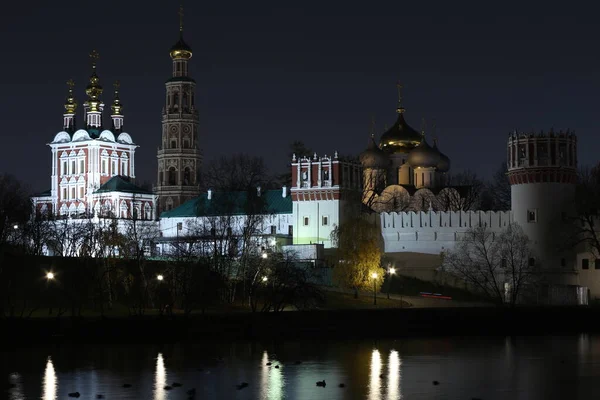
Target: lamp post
{"points": [[374, 276], [391, 273]]}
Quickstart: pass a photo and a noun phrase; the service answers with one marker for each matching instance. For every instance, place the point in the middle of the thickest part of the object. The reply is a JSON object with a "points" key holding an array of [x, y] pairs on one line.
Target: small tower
{"points": [[70, 109], [93, 106], [117, 111], [179, 156], [542, 170]]}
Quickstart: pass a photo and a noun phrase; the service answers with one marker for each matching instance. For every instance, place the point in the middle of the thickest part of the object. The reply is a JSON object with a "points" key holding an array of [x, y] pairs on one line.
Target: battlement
{"points": [[544, 152], [433, 232], [445, 219]]}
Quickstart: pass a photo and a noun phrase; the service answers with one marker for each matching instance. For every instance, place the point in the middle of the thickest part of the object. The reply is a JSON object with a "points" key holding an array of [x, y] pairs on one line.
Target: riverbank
{"points": [[384, 323]]}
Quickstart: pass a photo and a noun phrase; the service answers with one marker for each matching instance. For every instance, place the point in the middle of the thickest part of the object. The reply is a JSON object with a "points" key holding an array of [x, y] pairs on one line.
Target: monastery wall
{"points": [[432, 232]]}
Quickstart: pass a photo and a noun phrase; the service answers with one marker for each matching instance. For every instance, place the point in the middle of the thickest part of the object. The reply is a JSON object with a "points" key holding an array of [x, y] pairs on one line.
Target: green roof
{"points": [[120, 183], [233, 203]]}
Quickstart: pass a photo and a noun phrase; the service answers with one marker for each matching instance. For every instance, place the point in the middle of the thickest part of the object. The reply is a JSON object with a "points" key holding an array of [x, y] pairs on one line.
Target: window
{"points": [[64, 193], [273, 230], [229, 231], [81, 166], [73, 194], [81, 192], [173, 143], [114, 168], [291, 230], [532, 215], [532, 262], [179, 226], [597, 263], [186, 143], [64, 168], [305, 221], [172, 176], [585, 263], [103, 166], [325, 221], [187, 177], [504, 265]]}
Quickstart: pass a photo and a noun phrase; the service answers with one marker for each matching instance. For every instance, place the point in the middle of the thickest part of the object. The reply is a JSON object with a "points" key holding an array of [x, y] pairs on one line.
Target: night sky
{"points": [[271, 73]]}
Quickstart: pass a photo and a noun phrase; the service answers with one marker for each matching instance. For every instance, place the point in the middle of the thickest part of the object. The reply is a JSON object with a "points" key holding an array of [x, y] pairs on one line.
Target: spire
{"points": [[181, 19], [70, 108], [423, 126], [433, 133], [117, 109], [399, 109], [372, 127]]}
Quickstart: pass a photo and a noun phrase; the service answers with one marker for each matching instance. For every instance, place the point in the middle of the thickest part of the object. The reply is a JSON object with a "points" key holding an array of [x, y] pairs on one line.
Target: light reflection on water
{"points": [[50, 383], [160, 378], [490, 368]]}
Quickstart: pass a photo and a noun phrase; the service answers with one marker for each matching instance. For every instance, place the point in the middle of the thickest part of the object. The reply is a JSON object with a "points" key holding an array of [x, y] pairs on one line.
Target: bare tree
{"points": [[498, 265], [467, 196], [15, 206], [499, 189], [236, 172], [584, 223]]}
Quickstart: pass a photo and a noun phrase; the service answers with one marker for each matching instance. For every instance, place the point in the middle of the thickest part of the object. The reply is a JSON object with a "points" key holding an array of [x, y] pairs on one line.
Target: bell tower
{"points": [[179, 156]]}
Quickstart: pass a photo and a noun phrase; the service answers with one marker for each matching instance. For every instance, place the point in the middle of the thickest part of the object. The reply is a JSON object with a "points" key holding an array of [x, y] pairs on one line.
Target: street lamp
{"points": [[49, 276], [374, 276], [391, 272], [264, 279], [160, 277], [264, 255], [16, 227]]}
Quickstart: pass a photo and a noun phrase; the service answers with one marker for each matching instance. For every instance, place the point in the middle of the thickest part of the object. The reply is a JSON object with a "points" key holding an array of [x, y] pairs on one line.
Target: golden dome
{"points": [[117, 107], [70, 102], [400, 138], [181, 48], [93, 89]]}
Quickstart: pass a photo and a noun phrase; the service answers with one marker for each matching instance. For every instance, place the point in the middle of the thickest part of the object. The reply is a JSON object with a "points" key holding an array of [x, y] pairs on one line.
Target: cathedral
{"points": [[93, 166]]}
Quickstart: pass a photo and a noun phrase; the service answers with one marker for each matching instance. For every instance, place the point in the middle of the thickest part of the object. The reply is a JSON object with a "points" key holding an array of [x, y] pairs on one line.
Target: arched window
{"points": [[148, 211], [172, 176], [176, 99], [187, 179], [160, 177], [185, 99], [123, 209], [169, 204]]}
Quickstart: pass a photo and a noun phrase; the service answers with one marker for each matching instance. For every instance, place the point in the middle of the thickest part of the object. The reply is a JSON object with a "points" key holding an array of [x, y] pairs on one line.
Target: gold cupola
{"points": [[117, 109], [93, 89], [181, 50], [401, 137], [70, 102]]}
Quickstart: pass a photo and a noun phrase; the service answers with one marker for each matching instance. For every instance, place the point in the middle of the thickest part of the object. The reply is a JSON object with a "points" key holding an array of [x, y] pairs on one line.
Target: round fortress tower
{"points": [[542, 170]]}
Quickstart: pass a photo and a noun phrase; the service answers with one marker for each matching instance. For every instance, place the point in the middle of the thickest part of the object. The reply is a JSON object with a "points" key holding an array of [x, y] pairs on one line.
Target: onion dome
{"points": [[400, 138], [181, 49], [70, 102], [93, 89], [373, 157], [423, 156], [444, 163], [117, 107]]}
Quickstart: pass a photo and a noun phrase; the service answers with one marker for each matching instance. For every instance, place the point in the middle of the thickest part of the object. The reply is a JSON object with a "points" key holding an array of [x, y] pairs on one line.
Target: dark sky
{"points": [[271, 73]]}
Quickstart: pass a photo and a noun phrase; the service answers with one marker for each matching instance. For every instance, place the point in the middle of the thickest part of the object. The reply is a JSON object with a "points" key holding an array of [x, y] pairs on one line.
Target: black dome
{"points": [[373, 156], [423, 156], [400, 138]]}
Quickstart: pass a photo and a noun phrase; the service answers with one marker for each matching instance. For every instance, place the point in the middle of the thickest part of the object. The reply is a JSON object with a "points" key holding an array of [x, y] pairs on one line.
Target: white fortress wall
{"points": [[432, 232]]}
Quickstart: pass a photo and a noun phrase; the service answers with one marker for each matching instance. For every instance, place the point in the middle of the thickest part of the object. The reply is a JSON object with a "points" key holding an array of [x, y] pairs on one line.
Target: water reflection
{"points": [[393, 387], [50, 384], [272, 381], [160, 378], [375, 382]]}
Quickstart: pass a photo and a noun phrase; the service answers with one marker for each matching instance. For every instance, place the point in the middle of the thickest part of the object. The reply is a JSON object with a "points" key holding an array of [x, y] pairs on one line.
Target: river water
{"points": [[487, 368]]}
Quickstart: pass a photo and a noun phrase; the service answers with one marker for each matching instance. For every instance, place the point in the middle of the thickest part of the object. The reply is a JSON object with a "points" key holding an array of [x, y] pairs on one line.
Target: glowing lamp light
{"points": [[374, 275], [392, 271], [264, 255], [160, 277], [49, 276], [264, 279], [16, 226]]}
